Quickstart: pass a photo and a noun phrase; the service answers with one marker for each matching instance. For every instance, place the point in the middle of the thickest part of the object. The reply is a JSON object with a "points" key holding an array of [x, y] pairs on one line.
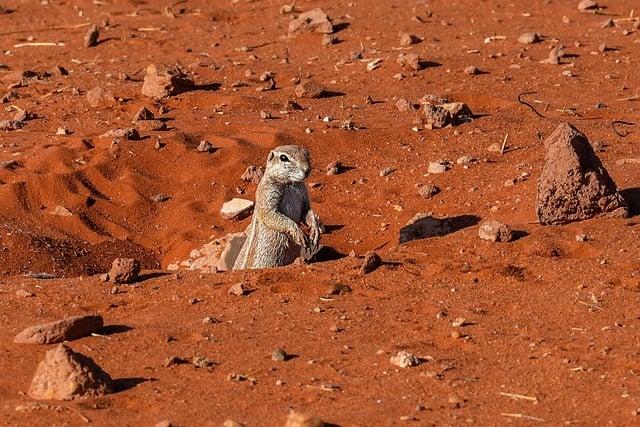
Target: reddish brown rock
{"points": [[99, 96], [123, 270], [313, 20], [65, 374], [299, 419], [409, 60], [252, 174], [574, 185], [91, 37], [495, 231], [371, 262], [161, 82], [67, 329], [309, 89]]}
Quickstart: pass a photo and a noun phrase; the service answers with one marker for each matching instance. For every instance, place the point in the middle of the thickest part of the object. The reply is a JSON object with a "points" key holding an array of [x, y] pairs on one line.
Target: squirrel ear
{"points": [[271, 154]]}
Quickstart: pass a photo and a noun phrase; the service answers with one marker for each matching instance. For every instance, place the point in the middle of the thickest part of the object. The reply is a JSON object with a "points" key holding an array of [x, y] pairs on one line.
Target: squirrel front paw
{"points": [[299, 238]]}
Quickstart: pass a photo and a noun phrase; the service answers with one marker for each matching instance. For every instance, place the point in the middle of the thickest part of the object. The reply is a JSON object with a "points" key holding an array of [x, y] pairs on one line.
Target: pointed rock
{"points": [[65, 374], [574, 185]]}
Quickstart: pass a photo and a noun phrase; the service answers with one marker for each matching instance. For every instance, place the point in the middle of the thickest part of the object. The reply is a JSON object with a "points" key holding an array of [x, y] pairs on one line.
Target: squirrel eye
{"points": [[283, 158]]}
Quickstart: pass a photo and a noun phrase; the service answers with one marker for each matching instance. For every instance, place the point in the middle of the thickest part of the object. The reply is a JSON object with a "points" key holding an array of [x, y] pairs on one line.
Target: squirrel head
{"points": [[288, 163]]}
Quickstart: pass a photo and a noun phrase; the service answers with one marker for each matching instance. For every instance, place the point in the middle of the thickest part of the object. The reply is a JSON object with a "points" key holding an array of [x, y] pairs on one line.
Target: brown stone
{"points": [[99, 96], [299, 419], [371, 262], [312, 20], [309, 89], [67, 329], [124, 270], [65, 374], [252, 174], [495, 231], [574, 185], [161, 82]]}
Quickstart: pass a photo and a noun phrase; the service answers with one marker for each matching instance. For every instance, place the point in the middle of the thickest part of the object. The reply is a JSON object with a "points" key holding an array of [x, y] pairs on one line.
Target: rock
{"points": [[471, 70], [61, 211], [404, 359], [10, 125], [436, 116], [422, 226], [555, 55], [427, 191], [239, 289], [63, 131], [68, 329], [495, 231], [24, 294], [91, 37], [122, 133], [205, 147], [574, 185], [387, 171], [279, 355], [587, 4], [252, 174], [437, 167], [23, 116], [143, 114], [236, 209], [164, 423], [408, 39], [150, 125], [309, 89], [160, 197], [529, 38], [409, 60], [312, 20], [219, 254], [334, 168], [371, 262], [99, 96], [161, 82], [404, 105], [329, 39], [123, 270], [231, 423], [65, 374], [299, 419]]}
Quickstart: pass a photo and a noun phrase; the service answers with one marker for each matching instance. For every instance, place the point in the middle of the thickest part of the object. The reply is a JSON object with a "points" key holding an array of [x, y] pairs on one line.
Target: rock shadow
{"points": [[426, 226], [632, 197]]}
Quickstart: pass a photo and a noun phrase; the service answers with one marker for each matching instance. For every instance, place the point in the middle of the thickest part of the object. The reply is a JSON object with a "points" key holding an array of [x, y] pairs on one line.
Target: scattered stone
{"points": [[160, 197], [218, 255], [143, 114], [312, 20], [63, 131], [68, 329], [161, 82], [99, 96], [236, 209], [239, 289], [339, 289], [9, 96], [471, 70], [574, 185], [292, 106], [122, 133], [150, 125], [495, 231], [405, 105], [586, 5], [438, 166], [61, 211], [529, 38], [279, 355], [609, 23], [10, 125], [65, 374], [555, 55], [409, 60], [123, 270], [581, 238], [404, 359], [309, 89], [422, 226], [464, 160], [202, 362], [206, 147], [91, 37], [299, 419], [371, 262], [231, 423], [252, 174], [442, 115], [407, 40], [427, 191]]}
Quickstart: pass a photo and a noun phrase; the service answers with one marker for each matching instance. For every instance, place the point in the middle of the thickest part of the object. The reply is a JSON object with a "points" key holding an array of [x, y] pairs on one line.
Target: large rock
{"points": [[123, 270], [218, 255], [495, 231], [67, 329], [299, 419], [161, 82], [65, 374], [312, 20], [574, 185], [236, 209]]}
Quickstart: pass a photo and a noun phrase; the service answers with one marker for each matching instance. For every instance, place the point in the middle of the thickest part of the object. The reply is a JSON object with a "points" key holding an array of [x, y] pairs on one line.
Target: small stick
{"points": [[525, 417], [630, 98], [519, 396], [38, 44], [64, 27], [504, 143], [529, 105]]}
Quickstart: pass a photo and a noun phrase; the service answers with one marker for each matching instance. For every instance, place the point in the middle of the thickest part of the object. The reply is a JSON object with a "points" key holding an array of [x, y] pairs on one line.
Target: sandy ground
{"points": [[549, 318]]}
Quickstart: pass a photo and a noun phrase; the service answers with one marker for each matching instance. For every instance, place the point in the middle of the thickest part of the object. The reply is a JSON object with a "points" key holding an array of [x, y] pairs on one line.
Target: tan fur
{"points": [[274, 237]]}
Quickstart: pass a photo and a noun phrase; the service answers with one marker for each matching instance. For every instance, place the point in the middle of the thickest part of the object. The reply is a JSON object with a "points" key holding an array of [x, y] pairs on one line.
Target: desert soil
{"points": [[551, 326]]}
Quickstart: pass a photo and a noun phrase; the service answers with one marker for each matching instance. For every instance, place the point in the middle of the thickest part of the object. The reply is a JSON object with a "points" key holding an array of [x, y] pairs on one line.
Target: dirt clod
{"points": [[65, 374], [574, 185]]}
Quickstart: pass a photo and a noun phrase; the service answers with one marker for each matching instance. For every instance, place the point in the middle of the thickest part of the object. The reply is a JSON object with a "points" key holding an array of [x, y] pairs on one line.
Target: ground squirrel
{"points": [[274, 237]]}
